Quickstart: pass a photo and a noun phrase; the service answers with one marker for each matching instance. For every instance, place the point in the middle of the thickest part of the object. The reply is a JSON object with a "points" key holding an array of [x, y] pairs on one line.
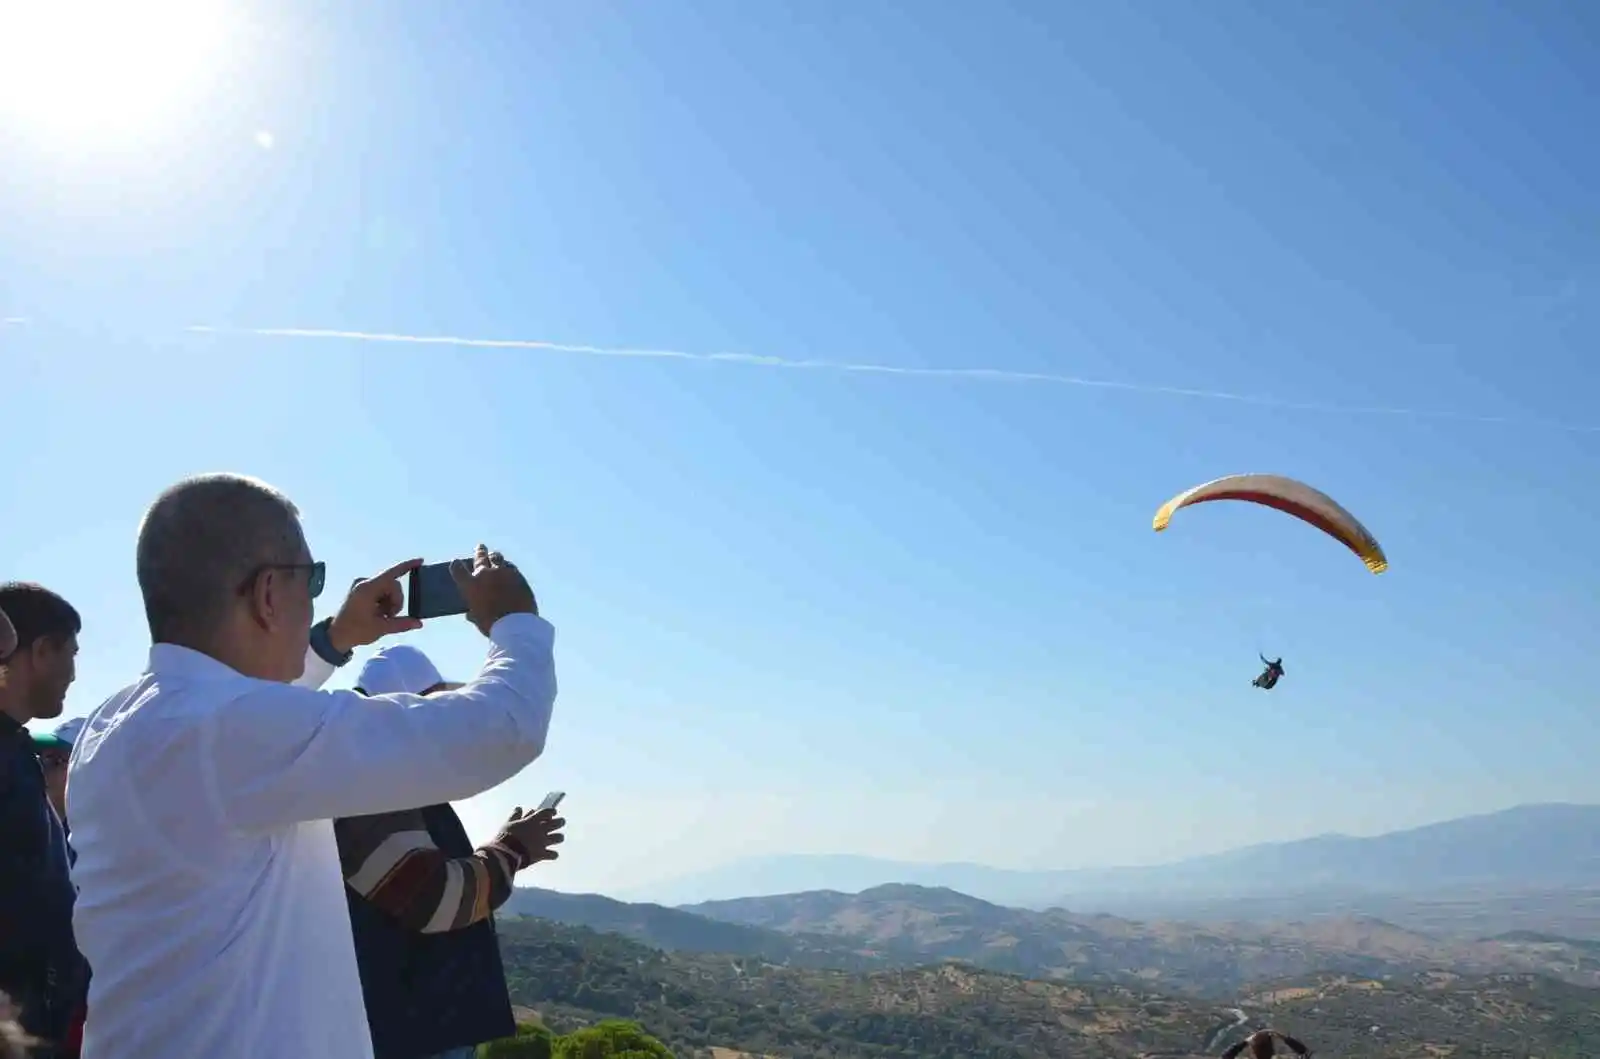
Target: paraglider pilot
{"points": [[1269, 676], [1263, 1044]]}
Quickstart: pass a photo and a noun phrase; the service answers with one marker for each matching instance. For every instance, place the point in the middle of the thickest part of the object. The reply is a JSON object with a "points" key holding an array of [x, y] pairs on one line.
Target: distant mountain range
{"points": [[861, 960], [1530, 847], [899, 926]]}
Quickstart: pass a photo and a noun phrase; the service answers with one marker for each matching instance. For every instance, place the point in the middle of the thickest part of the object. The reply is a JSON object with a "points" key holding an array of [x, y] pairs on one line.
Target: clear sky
{"points": [[913, 615]]}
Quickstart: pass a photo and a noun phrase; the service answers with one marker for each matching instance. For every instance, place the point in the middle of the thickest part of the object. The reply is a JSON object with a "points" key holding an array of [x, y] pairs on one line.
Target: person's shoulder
{"points": [[144, 722], [16, 757]]}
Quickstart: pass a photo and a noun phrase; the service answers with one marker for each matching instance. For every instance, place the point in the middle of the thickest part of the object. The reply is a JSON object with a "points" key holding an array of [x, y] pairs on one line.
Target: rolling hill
{"points": [[906, 926], [707, 1004], [1210, 959], [1530, 847], [680, 931]]}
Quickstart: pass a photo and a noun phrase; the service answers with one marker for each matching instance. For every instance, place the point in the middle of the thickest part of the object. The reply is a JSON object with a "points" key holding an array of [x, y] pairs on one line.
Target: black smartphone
{"points": [[432, 593], [551, 800]]}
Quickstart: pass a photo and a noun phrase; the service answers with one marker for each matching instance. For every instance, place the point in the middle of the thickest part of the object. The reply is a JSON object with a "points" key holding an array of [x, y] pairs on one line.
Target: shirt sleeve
{"points": [[316, 673], [283, 754], [392, 861]]}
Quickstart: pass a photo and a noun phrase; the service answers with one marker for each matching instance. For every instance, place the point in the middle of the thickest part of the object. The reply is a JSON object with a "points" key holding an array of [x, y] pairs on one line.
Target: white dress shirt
{"points": [[211, 905]]}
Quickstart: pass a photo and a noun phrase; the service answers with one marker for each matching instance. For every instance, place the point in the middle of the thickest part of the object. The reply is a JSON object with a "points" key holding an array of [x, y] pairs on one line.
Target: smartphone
{"points": [[551, 800], [431, 592]]}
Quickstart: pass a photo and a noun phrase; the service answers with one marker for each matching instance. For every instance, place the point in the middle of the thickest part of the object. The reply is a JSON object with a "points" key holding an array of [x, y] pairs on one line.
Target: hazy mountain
{"points": [[680, 931], [795, 873], [901, 925], [1529, 847], [1215, 959]]}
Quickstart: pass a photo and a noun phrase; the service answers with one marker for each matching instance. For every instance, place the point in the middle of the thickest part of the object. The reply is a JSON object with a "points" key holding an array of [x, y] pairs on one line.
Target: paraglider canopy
{"points": [[1295, 498]]}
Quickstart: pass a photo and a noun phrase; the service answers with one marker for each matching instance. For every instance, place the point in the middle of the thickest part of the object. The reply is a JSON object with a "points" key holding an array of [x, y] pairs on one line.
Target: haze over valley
{"points": [[1467, 953]]}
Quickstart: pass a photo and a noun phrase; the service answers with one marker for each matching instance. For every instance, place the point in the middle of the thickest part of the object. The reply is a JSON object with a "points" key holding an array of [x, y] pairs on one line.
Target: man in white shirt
{"points": [[211, 903]]}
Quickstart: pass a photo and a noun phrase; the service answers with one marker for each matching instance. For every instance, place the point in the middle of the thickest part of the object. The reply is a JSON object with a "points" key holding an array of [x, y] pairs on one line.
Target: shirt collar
{"points": [[170, 659]]}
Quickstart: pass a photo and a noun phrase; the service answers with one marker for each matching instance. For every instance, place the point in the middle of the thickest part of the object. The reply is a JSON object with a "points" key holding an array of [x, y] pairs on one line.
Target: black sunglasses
{"points": [[316, 575]]}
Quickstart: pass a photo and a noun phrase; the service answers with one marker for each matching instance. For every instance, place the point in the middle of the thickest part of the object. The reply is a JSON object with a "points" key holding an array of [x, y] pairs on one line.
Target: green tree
{"points": [[532, 1041], [611, 1039]]}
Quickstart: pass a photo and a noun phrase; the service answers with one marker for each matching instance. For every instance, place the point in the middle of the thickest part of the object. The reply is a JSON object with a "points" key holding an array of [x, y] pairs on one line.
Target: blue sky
{"points": [[905, 615]]}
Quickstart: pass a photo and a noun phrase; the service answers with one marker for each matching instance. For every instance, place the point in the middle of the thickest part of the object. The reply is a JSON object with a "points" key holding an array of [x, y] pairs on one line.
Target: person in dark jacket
{"points": [[55, 750], [40, 966], [422, 903]]}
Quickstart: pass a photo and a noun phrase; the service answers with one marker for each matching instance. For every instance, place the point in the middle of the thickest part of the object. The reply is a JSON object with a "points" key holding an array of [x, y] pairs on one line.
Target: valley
{"points": [[715, 1005]]}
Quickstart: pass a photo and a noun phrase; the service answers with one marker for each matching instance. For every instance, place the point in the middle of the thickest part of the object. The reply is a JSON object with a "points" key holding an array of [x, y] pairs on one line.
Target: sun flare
{"points": [[107, 69]]}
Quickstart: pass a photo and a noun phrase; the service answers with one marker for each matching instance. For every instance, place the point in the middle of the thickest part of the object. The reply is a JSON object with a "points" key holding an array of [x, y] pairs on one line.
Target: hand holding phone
{"points": [[485, 588], [371, 609], [537, 833], [432, 592]]}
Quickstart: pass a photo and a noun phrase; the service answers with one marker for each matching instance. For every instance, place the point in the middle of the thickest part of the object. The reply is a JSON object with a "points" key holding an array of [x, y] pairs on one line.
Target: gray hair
{"points": [[201, 539]]}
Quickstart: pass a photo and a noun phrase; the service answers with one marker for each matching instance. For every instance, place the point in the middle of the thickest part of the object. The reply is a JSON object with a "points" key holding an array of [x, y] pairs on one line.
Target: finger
{"points": [[395, 626], [496, 559], [555, 840], [480, 558], [394, 572], [389, 599], [548, 854], [461, 572], [557, 824], [545, 814]]}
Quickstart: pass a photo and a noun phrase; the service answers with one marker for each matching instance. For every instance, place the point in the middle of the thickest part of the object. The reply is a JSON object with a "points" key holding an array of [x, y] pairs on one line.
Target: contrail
{"points": [[976, 374]]}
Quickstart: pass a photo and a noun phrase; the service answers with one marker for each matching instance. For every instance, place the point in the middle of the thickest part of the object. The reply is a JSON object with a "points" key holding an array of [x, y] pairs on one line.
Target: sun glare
{"points": [[107, 69]]}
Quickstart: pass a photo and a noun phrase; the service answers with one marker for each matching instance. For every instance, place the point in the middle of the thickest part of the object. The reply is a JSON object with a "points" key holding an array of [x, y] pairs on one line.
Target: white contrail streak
{"points": [[976, 374]]}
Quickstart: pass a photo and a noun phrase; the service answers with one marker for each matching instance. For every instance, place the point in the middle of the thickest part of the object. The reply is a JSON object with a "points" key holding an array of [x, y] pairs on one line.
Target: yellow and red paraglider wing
{"points": [[1291, 497]]}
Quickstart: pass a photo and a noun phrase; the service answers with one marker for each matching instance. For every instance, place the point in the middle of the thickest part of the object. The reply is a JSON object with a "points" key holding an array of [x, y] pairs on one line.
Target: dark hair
{"points": [[37, 613]]}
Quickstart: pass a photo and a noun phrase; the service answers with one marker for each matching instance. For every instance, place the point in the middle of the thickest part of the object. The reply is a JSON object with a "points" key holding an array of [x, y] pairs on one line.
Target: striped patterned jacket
{"points": [[392, 861]]}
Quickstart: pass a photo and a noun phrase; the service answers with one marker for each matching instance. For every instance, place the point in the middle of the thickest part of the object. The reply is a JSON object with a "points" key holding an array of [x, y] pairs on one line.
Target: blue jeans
{"points": [[465, 1052]]}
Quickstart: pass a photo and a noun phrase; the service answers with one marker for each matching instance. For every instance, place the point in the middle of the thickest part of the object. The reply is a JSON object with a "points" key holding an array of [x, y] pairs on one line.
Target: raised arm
{"points": [[392, 861], [285, 754]]}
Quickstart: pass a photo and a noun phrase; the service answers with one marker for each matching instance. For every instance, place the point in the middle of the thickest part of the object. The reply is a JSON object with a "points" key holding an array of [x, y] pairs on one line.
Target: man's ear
{"points": [[39, 652], [264, 598]]}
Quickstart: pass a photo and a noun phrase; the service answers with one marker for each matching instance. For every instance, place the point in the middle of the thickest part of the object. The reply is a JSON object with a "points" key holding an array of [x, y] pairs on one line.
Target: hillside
{"points": [[698, 1002], [900, 926], [904, 922], [1550, 847], [681, 931]]}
